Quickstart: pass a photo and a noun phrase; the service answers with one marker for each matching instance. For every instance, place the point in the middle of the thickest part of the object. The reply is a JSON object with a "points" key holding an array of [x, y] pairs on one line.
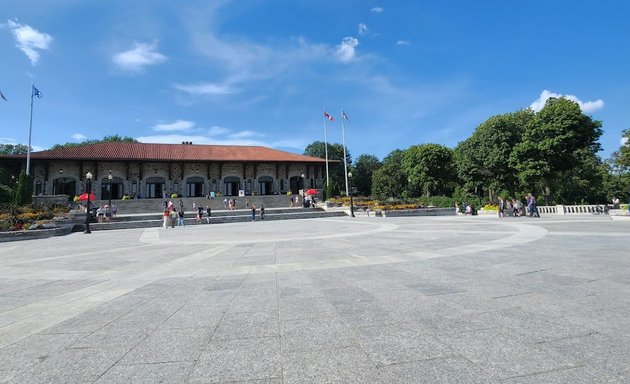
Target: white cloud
{"points": [[363, 29], [216, 131], [29, 40], [402, 42], [205, 89], [346, 51], [178, 125], [140, 56], [623, 141], [245, 134], [376, 10], [79, 137], [585, 106]]}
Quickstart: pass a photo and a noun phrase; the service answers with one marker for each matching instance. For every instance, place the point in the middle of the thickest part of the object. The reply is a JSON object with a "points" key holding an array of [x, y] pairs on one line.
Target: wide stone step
{"points": [[236, 218]]}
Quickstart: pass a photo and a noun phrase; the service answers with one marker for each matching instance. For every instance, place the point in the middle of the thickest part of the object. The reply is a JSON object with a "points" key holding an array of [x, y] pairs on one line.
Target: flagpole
{"points": [[326, 148], [343, 142], [30, 129]]}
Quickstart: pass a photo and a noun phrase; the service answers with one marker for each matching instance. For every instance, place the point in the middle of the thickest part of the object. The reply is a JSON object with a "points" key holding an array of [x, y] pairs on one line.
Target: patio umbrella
{"points": [[311, 192], [85, 197]]}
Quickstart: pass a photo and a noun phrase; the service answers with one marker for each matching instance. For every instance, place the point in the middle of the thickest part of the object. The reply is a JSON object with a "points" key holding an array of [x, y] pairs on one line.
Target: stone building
{"points": [[151, 170]]}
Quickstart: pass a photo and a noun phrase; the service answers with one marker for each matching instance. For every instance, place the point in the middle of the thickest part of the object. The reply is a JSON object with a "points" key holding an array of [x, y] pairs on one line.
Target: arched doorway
{"points": [[194, 186], [265, 185], [296, 183], [116, 188], [64, 186], [154, 187], [231, 185]]}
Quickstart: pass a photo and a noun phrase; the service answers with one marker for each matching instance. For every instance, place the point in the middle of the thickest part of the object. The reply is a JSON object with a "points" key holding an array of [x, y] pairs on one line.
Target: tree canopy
{"points": [[13, 149], [106, 139], [363, 170], [336, 170]]}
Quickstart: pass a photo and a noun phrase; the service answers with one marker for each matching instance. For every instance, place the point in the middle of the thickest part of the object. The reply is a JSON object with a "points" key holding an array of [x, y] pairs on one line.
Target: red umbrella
{"points": [[85, 197], [311, 192]]}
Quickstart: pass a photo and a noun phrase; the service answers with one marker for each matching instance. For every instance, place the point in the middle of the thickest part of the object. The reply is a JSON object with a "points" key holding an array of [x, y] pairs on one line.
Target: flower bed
{"points": [[29, 217]]}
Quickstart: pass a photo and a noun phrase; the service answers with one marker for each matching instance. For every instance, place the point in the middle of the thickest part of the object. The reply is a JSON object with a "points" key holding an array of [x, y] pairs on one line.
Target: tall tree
{"points": [[105, 139], [483, 159], [552, 143], [13, 149], [364, 167], [390, 179], [336, 169], [429, 169]]}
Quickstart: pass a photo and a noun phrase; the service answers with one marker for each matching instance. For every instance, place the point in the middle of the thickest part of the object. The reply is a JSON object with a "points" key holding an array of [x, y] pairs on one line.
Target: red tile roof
{"points": [[171, 152]]}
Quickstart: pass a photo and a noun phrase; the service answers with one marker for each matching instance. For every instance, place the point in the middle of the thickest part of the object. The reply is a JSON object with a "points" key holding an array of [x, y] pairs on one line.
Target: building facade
{"points": [[142, 170]]}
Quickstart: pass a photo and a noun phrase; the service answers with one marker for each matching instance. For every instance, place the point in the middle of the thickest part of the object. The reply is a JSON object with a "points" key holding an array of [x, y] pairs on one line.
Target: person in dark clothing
{"points": [[262, 212], [208, 213], [253, 213]]}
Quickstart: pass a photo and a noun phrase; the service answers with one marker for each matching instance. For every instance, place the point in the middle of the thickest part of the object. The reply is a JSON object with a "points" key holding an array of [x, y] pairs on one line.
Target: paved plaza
{"points": [[340, 300]]}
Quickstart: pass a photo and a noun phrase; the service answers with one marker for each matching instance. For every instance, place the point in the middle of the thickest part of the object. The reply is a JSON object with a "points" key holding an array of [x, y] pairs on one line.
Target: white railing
{"points": [[588, 209]]}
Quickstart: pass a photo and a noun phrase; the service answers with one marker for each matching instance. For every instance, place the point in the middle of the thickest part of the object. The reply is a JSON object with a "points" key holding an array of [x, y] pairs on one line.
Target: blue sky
{"points": [[257, 72]]}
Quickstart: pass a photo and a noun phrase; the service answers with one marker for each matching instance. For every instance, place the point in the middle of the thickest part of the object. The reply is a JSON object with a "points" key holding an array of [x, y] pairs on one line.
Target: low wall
{"points": [[35, 234], [418, 212]]}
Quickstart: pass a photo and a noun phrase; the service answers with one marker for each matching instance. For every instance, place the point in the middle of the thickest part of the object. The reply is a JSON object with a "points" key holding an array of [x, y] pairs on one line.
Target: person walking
{"points": [[165, 218], [180, 217], [199, 213], [501, 207], [262, 213], [253, 213], [208, 213]]}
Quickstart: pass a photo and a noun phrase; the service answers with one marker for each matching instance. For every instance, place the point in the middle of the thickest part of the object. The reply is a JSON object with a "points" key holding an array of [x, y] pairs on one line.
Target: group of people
{"points": [[104, 213], [516, 207], [229, 204], [262, 212]]}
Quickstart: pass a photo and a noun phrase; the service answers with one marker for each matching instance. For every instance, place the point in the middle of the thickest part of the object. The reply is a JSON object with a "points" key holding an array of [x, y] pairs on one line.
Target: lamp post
{"points": [[109, 192], [88, 187], [351, 194]]}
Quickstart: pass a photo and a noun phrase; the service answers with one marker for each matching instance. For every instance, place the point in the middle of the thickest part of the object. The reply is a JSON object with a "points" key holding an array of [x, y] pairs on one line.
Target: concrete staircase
{"points": [[157, 205], [154, 219]]}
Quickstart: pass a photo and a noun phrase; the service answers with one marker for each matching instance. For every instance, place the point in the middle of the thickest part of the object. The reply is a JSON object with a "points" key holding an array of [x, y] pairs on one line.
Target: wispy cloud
{"points": [[585, 106], [178, 125], [137, 58], [245, 134], [623, 141], [79, 137], [362, 28], [206, 89], [402, 42], [376, 10], [29, 40], [217, 131], [346, 51]]}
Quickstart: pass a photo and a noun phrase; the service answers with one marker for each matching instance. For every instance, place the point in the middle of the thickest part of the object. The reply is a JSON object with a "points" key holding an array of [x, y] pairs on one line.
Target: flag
{"points": [[326, 115], [36, 92], [3, 97], [344, 116]]}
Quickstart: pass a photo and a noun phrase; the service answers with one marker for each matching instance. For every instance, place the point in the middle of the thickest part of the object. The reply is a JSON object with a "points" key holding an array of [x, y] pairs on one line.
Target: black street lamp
{"points": [[109, 193], [351, 194], [88, 187]]}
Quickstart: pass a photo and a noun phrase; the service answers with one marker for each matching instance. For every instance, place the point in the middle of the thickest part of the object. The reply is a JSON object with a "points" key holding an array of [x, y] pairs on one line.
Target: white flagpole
{"points": [[30, 128], [343, 142], [326, 147]]}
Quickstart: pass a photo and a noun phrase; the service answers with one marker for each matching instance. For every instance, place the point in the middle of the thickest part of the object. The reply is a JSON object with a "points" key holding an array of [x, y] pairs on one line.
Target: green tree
{"points": [[364, 167], [552, 143], [622, 156], [483, 159], [24, 192], [336, 169], [13, 149], [429, 169], [106, 139], [390, 179]]}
